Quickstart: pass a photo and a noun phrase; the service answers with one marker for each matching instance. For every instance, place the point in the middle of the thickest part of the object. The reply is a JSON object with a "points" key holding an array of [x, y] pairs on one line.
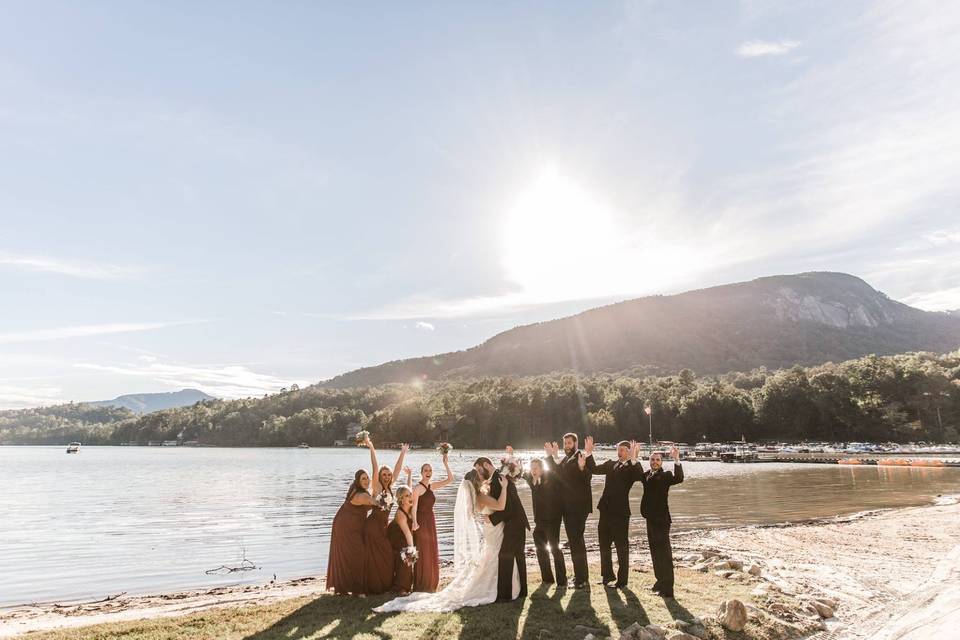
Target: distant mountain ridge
{"points": [[141, 403], [774, 322]]}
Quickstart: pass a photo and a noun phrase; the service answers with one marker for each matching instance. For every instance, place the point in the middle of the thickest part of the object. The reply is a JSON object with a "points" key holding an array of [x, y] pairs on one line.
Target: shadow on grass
{"points": [[625, 608], [677, 610], [344, 617]]}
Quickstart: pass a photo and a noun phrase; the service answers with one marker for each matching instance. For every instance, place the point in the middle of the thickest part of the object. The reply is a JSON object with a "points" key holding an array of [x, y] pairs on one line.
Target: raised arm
{"points": [[374, 476], [399, 465], [409, 474], [677, 476], [585, 460], [446, 481]]}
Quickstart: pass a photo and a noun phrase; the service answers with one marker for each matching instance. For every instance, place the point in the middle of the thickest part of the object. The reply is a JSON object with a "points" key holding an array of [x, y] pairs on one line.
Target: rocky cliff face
{"points": [[774, 322]]}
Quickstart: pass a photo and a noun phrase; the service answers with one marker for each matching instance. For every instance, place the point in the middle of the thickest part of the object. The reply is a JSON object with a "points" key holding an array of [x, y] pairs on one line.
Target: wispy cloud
{"points": [[229, 381], [20, 397], [87, 270], [81, 331], [760, 48], [424, 326]]}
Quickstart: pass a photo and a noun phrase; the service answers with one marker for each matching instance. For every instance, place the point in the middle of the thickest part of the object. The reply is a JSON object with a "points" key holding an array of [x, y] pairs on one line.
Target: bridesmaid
{"points": [[401, 536], [426, 573], [378, 568], [345, 566]]}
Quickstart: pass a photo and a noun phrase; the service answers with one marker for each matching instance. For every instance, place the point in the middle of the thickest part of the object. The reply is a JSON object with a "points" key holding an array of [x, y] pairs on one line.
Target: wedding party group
{"points": [[370, 554]]}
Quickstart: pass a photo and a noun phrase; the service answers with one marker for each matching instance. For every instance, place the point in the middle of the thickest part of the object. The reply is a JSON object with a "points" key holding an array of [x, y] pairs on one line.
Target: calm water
{"points": [[151, 519]]}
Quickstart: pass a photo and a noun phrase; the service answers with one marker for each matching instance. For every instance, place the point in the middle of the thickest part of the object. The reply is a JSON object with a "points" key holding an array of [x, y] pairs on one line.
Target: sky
{"points": [[240, 196]]}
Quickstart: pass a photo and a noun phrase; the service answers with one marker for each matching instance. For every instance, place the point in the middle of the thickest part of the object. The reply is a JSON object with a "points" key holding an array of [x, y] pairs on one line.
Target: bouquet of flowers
{"points": [[361, 438], [409, 555], [511, 467], [444, 448], [385, 500]]}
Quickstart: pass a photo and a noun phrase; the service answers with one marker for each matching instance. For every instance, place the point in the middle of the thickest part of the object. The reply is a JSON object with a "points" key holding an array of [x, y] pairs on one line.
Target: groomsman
{"points": [[545, 489], [614, 507], [574, 472], [654, 507]]}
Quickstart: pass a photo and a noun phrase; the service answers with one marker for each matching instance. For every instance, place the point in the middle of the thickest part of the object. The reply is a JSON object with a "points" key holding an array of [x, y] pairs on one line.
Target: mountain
{"points": [[773, 322], [150, 402]]}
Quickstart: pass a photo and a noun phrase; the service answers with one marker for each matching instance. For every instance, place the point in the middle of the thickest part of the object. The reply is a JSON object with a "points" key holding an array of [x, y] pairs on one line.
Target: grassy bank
{"points": [[548, 613]]}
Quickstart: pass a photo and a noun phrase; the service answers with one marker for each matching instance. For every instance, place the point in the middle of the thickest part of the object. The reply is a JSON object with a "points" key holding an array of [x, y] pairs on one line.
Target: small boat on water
{"points": [[303, 445], [73, 447], [740, 454]]}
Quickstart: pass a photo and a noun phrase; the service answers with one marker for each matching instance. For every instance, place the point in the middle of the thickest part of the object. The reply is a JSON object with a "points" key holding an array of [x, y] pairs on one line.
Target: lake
{"points": [[154, 519]]}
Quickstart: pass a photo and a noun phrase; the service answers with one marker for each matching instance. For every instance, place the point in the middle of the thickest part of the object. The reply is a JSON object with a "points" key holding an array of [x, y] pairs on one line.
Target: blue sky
{"points": [[239, 196]]}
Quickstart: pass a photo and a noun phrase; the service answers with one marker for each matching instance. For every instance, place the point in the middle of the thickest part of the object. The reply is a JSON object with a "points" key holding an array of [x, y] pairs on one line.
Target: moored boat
{"points": [[73, 447]]}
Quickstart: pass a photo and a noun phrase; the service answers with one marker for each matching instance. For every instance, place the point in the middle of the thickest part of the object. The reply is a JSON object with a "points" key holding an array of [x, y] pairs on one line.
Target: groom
{"points": [[515, 525]]}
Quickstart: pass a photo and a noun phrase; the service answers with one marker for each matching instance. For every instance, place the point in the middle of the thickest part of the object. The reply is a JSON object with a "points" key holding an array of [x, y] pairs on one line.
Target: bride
{"points": [[476, 544]]}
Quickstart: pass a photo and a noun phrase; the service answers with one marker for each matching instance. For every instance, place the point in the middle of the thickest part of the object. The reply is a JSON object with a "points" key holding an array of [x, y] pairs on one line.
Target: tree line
{"points": [[907, 397]]}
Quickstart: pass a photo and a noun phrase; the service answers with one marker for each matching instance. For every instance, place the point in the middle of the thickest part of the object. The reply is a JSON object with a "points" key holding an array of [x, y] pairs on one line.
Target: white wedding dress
{"points": [[475, 550]]}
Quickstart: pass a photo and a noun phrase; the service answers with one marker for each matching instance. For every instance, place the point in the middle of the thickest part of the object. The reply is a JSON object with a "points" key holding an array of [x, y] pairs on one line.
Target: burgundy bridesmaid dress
{"points": [[426, 573]]}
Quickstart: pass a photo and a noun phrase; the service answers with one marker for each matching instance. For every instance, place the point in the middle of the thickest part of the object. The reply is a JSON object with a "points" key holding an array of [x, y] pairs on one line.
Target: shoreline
{"points": [[885, 568]]}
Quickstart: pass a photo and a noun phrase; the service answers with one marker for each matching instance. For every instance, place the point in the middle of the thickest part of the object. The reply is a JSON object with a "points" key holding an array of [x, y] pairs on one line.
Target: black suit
{"points": [[614, 507], [546, 532], [577, 505], [515, 525], [655, 508]]}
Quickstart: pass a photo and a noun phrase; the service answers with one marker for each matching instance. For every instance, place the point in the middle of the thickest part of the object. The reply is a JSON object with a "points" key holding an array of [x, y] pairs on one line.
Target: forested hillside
{"points": [[774, 322], [906, 397]]}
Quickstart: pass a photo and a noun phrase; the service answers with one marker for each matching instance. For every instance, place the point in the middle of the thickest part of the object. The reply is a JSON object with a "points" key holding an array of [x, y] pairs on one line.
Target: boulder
{"points": [[723, 564], [709, 553], [735, 564], [680, 635], [725, 573], [754, 569], [702, 567], [636, 631], [822, 610], [696, 630], [656, 630], [732, 615]]}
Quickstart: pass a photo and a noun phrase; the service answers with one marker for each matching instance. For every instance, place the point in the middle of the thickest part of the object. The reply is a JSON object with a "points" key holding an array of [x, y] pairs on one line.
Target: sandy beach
{"points": [[892, 574]]}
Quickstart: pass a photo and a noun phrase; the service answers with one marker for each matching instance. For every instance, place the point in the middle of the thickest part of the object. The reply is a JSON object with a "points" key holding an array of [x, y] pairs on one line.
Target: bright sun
{"points": [[561, 243], [557, 239]]}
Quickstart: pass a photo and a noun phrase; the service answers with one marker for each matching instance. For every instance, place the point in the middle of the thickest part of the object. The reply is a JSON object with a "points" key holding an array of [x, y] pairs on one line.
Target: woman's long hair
{"points": [[355, 485], [383, 487], [474, 479]]}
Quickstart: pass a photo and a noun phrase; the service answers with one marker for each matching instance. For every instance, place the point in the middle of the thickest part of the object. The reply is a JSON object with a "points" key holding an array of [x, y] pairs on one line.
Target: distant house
{"points": [[351, 432]]}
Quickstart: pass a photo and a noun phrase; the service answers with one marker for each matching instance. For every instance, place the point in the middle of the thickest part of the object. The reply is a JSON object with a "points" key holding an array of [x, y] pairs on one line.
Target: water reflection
{"points": [[137, 519]]}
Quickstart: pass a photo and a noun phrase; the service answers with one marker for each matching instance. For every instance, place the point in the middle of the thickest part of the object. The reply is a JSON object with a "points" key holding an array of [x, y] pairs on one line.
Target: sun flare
{"points": [[560, 242]]}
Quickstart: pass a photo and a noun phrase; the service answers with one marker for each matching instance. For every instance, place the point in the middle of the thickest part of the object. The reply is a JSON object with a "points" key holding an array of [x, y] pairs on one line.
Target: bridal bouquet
{"points": [[361, 438], [385, 500], [444, 448], [409, 555], [511, 467]]}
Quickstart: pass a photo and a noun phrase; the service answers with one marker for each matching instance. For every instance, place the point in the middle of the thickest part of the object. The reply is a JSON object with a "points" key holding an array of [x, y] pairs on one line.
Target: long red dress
{"points": [[402, 572], [426, 573], [378, 568], [345, 566]]}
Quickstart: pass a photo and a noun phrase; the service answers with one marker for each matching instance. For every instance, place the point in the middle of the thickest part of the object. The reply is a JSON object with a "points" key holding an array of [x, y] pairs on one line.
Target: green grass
{"points": [[555, 610]]}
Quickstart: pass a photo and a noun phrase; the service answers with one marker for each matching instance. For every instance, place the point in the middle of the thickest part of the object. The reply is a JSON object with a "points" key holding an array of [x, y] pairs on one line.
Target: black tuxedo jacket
{"points": [[513, 513], [615, 500], [546, 497], [656, 486], [574, 483]]}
